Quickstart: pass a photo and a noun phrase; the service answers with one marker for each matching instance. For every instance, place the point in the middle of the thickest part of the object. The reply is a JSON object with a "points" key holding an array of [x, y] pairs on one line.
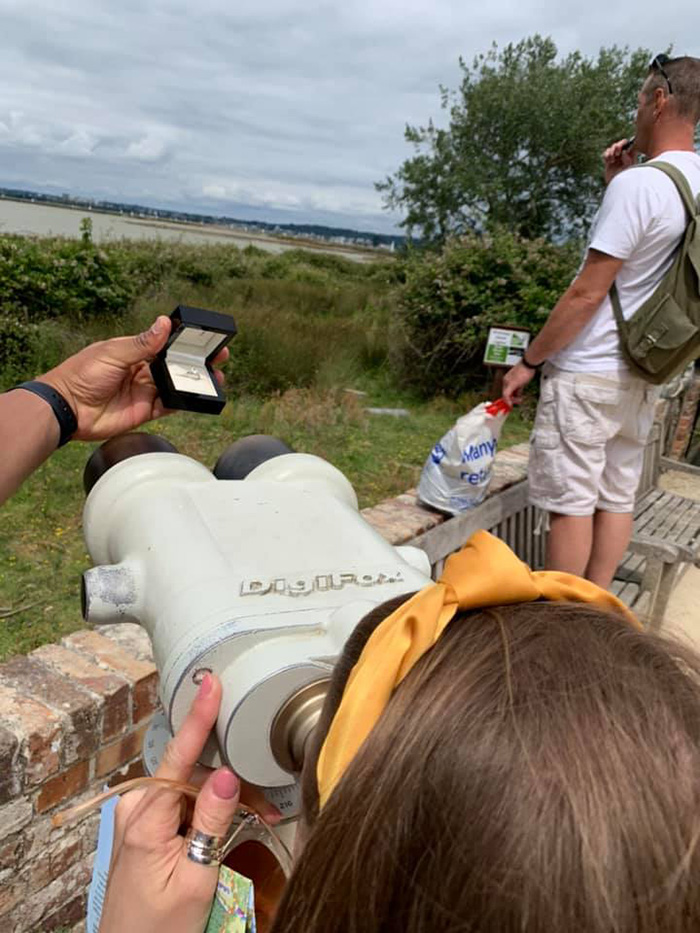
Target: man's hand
{"points": [[515, 381], [616, 159], [109, 386]]}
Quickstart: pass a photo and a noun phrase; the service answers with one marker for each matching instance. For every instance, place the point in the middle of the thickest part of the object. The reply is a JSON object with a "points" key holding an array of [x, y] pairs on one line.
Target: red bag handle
{"points": [[499, 407]]}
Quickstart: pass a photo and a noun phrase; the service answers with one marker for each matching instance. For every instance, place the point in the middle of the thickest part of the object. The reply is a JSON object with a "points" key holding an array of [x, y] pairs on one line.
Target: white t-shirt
{"points": [[641, 220]]}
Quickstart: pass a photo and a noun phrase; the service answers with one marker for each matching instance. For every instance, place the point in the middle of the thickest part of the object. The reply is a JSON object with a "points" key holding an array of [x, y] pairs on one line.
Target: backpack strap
{"points": [[680, 181], [617, 308]]}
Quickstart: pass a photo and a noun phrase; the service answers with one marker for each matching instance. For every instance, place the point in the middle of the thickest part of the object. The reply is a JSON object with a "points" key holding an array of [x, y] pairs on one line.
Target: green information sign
{"points": [[505, 345]]}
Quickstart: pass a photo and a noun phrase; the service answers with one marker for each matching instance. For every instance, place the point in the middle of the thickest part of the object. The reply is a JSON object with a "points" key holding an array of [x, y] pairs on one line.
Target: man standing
{"points": [[594, 415]]}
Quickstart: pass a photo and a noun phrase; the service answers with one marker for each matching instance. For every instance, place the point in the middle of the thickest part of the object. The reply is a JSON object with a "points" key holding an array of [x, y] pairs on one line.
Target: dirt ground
{"points": [[683, 613]]}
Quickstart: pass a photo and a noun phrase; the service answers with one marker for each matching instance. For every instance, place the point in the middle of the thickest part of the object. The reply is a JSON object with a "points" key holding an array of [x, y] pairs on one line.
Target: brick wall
{"points": [[686, 419], [72, 719]]}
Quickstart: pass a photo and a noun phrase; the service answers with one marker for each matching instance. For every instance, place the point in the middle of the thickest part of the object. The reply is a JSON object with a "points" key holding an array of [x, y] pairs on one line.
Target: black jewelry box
{"points": [[183, 371]]}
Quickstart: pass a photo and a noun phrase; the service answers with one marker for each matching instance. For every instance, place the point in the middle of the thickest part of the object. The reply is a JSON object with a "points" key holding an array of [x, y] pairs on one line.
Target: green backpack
{"points": [[663, 335]]}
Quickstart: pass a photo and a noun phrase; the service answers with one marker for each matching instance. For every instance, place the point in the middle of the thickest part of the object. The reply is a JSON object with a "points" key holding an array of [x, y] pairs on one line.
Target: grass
{"points": [[42, 555]]}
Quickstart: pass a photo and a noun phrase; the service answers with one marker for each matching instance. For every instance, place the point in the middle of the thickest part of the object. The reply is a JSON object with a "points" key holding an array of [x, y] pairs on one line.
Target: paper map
{"points": [[233, 910]]}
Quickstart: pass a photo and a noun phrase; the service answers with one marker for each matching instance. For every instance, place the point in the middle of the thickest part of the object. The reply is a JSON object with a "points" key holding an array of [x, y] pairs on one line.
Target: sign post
{"points": [[505, 347]]}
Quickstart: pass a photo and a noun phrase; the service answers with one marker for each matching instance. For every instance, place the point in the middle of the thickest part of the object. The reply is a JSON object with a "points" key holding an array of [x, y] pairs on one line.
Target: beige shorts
{"points": [[587, 445]]}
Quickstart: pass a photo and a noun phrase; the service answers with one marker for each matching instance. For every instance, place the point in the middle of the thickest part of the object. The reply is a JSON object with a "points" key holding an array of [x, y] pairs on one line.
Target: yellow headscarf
{"points": [[484, 573]]}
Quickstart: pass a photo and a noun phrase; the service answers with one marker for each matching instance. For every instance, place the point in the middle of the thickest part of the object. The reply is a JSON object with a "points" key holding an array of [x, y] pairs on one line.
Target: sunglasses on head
{"points": [[657, 64]]}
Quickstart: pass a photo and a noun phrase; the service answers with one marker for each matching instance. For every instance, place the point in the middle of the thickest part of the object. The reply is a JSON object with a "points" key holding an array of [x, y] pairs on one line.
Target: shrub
{"points": [[450, 298], [19, 349], [302, 317], [42, 279]]}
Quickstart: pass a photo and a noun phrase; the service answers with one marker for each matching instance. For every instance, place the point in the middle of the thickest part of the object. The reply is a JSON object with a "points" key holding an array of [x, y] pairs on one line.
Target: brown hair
{"points": [[684, 75], [538, 770]]}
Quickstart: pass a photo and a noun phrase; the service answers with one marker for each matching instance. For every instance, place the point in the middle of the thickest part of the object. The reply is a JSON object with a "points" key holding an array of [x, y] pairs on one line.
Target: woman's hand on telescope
{"points": [[109, 386], [153, 886]]}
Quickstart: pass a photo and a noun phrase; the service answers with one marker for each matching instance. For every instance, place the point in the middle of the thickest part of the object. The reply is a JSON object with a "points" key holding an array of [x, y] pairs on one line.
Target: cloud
{"points": [[80, 144], [279, 109], [150, 148], [302, 197]]}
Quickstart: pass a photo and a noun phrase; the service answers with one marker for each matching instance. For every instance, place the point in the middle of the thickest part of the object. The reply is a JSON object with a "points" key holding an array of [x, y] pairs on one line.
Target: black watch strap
{"points": [[67, 421], [531, 366]]}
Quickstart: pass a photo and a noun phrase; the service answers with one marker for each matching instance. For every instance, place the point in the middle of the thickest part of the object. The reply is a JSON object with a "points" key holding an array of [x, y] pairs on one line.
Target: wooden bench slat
{"points": [[651, 546], [678, 523], [686, 533], [645, 509], [688, 525], [667, 512], [647, 500], [668, 463], [628, 594], [631, 568]]}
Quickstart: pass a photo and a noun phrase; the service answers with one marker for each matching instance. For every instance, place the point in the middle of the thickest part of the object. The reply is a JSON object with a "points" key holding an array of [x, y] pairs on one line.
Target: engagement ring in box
{"points": [[183, 370]]}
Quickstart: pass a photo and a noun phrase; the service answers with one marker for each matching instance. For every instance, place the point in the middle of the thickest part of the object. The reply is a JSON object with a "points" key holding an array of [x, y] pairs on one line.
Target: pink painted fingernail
{"points": [[205, 686], [225, 784]]}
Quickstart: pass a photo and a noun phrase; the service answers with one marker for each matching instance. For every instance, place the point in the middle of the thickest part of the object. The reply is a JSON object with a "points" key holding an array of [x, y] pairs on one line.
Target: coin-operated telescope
{"points": [[257, 572]]}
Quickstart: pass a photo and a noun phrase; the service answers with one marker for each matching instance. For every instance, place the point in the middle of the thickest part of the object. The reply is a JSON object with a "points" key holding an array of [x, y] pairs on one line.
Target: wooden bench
{"points": [[666, 538], [666, 534]]}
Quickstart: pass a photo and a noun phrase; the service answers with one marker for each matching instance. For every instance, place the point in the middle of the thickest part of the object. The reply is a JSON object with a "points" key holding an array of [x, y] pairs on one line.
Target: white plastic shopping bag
{"points": [[457, 473]]}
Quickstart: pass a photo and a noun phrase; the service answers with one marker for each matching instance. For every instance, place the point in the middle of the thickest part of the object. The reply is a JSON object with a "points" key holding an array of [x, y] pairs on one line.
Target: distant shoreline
{"points": [[368, 253], [216, 230]]}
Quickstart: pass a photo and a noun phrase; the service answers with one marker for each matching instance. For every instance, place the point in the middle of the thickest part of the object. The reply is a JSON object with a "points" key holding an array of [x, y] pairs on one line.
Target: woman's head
{"points": [[538, 769]]}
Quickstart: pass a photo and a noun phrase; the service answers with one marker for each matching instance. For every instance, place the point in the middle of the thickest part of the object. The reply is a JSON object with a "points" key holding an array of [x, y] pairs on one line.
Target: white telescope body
{"points": [[259, 580]]}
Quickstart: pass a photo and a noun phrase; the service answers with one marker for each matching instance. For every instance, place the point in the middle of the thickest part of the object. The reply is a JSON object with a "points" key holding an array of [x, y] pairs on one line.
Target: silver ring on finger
{"points": [[203, 848]]}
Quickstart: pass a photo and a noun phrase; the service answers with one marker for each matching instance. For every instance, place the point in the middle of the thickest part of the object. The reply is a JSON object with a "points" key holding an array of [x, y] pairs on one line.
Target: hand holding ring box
{"points": [[183, 370]]}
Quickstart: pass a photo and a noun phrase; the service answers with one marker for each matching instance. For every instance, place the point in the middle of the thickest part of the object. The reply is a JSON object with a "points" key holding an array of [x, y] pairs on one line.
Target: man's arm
{"points": [[574, 310], [108, 387], [28, 435]]}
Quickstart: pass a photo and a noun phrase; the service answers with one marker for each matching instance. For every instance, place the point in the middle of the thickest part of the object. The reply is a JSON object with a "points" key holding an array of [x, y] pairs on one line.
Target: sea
{"points": [[36, 218]]}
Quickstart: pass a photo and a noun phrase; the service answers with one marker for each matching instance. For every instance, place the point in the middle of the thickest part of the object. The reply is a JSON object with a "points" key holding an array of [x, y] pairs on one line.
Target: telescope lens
{"points": [[244, 455], [122, 448], [295, 723]]}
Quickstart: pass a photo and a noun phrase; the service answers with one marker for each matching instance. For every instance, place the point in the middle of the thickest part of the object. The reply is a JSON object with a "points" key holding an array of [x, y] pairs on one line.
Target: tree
{"points": [[523, 145]]}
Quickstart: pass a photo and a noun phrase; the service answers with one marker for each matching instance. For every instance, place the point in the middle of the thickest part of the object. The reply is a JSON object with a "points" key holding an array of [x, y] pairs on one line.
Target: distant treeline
{"points": [[115, 207]]}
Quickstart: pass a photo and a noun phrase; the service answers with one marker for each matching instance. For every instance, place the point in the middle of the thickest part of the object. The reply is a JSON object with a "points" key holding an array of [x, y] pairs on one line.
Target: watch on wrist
{"points": [[533, 366], [66, 417]]}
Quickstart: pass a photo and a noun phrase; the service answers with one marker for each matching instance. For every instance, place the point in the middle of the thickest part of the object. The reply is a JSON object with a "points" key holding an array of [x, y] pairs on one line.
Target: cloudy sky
{"points": [[278, 109]]}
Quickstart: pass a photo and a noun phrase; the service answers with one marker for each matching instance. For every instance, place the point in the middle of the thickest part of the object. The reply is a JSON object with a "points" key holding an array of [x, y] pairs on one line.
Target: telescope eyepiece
{"points": [[295, 723], [121, 448], [244, 455]]}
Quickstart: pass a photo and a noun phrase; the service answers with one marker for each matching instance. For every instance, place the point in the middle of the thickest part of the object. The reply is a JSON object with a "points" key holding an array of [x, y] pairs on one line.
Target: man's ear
{"points": [[661, 99]]}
